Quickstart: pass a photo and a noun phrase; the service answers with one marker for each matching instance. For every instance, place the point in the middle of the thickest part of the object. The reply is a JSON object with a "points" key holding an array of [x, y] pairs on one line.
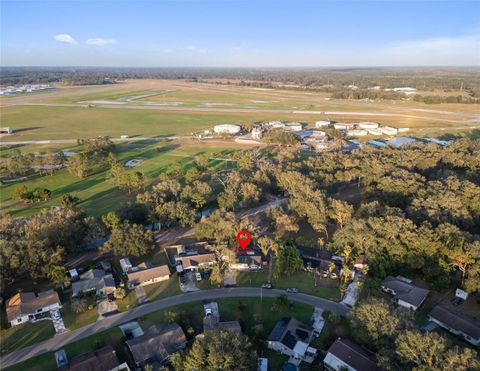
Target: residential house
{"points": [[404, 293], [94, 280], [104, 359], [147, 274], [158, 343], [25, 306], [195, 262], [458, 324], [292, 338], [346, 355], [212, 320], [247, 262]]}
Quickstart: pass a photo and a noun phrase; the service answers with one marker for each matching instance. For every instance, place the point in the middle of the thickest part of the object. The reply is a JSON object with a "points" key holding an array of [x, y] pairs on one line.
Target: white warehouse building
{"points": [[322, 124], [368, 125], [227, 128]]}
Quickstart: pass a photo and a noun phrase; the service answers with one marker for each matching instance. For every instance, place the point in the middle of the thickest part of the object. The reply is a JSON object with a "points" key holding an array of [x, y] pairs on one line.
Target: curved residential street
{"points": [[63, 339]]}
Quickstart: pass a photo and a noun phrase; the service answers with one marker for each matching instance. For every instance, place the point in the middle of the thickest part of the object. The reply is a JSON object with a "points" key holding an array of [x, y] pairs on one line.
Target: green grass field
{"points": [[98, 195], [301, 280], [24, 335]]}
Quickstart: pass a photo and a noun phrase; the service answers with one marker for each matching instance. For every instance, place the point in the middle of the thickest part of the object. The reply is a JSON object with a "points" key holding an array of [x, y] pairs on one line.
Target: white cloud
{"points": [[100, 41], [65, 38], [196, 49]]}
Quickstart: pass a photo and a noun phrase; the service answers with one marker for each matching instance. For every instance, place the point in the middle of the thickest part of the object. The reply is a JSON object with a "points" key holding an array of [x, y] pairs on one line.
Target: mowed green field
{"points": [[98, 194]]}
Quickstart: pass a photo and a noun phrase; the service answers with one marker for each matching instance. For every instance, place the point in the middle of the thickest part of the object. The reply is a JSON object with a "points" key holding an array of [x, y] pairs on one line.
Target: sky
{"points": [[239, 33]]}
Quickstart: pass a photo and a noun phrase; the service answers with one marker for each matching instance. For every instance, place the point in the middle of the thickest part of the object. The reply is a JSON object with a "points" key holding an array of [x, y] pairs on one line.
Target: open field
{"points": [[96, 192], [24, 335], [174, 107]]}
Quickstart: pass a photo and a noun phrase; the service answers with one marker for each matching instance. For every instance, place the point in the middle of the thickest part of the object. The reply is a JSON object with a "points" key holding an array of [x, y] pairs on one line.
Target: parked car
{"points": [[457, 300], [267, 285], [292, 290], [198, 276], [208, 311], [55, 315]]}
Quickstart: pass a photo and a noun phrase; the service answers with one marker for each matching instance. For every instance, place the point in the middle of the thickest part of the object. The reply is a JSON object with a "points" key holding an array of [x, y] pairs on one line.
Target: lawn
{"points": [[160, 290], [75, 320], [302, 280], [46, 362], [24, 335], [128, 302]]}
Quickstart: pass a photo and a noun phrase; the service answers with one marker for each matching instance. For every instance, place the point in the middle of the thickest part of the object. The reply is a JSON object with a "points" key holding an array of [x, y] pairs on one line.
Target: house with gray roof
{"points": [[404, 292], [458, 324], [94, 280], [347, 355], [157, 344], [292, 338]]}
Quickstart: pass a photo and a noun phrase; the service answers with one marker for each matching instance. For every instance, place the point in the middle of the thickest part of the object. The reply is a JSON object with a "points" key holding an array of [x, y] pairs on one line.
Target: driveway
{"points": [[141, 295], [105, 307], [229, 279], [57, 321], [187, 282], [118, 319]]}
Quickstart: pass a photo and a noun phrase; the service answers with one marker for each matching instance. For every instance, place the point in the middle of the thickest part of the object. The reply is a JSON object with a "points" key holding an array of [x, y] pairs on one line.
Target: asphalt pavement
{"points": [[115, 320]]}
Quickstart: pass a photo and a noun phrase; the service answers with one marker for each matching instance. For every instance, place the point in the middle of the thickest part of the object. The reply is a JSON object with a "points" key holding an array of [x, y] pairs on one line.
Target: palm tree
{"points": [[268, 246]]}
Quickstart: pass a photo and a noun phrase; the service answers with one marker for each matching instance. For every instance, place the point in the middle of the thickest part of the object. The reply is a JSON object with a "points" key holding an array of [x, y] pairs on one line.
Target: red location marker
{"points": [[243, 238]]}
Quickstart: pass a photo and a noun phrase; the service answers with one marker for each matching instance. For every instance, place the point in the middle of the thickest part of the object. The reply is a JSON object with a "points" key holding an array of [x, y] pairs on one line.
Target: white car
{"points": [[198, 276]]}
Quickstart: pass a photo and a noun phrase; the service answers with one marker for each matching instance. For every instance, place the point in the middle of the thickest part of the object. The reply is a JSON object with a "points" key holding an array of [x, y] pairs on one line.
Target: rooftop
{"points": [[353, 355], [104, 359], [148, 274], [457, 321], [25, 303], [406, 292]]}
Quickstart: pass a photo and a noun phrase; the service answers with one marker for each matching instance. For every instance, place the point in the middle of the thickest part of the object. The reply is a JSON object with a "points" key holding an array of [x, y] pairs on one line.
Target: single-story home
{"points": [[158, 343], [458, 324], [147, 275], [244, 262], [196, 261], [404, 293], [94, 280], [25, 306], [104, 359], [292, 338], [347, 355]]}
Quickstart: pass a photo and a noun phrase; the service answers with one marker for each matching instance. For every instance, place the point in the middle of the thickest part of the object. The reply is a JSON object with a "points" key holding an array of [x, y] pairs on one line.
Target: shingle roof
{"points": [[196, 260], [25, 303], [353, 355], [457, 321], [94, 279], [148, 274], [159, 341], [104, 359], [231, 326], [404, 291]]}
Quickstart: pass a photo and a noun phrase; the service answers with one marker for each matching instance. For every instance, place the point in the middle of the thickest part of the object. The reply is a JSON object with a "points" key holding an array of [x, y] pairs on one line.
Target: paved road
{"points": [[61, 340], [153, 106], [74, 141]]}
